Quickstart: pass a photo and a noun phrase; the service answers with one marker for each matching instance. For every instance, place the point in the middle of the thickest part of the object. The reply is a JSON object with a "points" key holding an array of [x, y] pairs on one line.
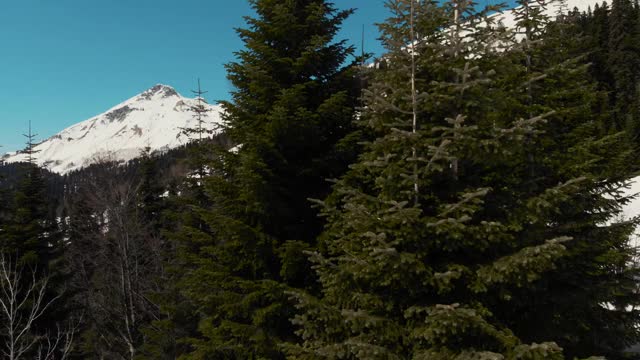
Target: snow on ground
{"points": [[632, 209], [508, 19]]}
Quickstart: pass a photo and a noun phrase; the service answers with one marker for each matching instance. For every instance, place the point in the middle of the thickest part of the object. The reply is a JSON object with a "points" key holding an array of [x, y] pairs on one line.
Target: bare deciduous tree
{"points": [[115, 263], [22, 302], [58, 345]]}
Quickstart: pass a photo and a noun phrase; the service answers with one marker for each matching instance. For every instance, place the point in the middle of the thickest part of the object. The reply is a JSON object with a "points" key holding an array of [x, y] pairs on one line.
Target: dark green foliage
{"points": [[292, 106], [31, 233], [25, 233], [240, 246], [482, 229], [575, 145], [31, 238], [612, 34], [596, 29], [624, 63], [150, 192]]}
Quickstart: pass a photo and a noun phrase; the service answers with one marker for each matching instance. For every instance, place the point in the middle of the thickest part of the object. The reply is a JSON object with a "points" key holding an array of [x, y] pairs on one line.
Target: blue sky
{"points": [[64, 61]]}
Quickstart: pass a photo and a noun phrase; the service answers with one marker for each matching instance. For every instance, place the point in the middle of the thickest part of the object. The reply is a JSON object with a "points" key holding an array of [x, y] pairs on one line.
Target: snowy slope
{"points": [[154, 119], [508, 19]]}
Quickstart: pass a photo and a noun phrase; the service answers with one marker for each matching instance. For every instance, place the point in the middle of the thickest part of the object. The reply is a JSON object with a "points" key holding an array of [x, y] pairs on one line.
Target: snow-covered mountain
{"points": [[154, 119], [508, 19]]}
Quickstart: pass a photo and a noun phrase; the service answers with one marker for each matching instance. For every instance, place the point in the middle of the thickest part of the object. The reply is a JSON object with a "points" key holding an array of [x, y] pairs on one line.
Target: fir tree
{"points": [[4, 199], [199, 135], [29, 234], [180, 223], [31, 239], [150, 192], [448, 276], [408, 265], [290, 116], [567, 306], [624, 64], [596, 26]]}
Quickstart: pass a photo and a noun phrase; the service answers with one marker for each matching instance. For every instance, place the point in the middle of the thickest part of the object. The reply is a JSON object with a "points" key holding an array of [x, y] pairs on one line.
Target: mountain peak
{"points": [[164, 91], [155, 119]]}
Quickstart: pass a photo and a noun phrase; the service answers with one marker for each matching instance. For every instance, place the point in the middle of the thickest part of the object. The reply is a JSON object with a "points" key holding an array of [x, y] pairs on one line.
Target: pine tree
{"points": [[4, 199], [411, 249], [178, 316], [567, 306], [29, 233], [150, 193], [290, 116], [624, 64], [199, 135], [292, 104], [31, 238], [597, 27], [444, 269]]}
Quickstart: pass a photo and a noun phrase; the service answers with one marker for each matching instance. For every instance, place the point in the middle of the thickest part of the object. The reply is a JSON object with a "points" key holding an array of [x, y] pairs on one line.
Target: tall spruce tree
{"points": [[567, 306], [178, 320], [30, 232], [150, 193], [595, 26], [4, 198], [31, 239], [291, 117], [624, 64], [447, 258]]}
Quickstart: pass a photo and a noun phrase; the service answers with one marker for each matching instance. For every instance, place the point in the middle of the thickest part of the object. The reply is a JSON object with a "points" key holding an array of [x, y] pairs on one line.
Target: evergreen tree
{"points": [[450, 241], [32, 232], [199, 135], [596, 27], [31, 238], [25, 235], [178, 315], [150, 193], [178, 318], [567, 306], [624, 63], [291, 117], [4, 199], [292, 107]]}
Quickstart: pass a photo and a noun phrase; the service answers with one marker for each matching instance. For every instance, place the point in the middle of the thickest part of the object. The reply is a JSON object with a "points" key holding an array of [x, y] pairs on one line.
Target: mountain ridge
{"points": [[153, 119]]}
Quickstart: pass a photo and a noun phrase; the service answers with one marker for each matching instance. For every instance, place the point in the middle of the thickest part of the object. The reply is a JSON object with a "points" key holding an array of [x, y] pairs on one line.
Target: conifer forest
{"points": [[459, 197]]}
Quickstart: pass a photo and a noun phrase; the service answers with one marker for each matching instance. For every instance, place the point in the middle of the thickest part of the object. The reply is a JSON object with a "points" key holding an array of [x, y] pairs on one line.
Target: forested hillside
{"points": [[459, 197]]}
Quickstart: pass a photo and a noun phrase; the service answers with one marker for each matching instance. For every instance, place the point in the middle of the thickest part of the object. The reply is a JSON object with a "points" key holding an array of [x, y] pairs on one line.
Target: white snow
{"points": [[507, 18], [632, 209], [153, 119]]}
